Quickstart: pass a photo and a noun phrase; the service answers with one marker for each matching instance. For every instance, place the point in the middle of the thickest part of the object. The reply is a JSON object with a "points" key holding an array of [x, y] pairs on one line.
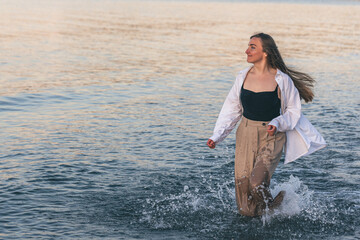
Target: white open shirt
{"points": [[301, 136]]}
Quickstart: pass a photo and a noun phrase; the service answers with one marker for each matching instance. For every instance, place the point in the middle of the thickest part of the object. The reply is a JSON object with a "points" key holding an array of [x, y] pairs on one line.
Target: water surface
{"points": [[106, 107]]}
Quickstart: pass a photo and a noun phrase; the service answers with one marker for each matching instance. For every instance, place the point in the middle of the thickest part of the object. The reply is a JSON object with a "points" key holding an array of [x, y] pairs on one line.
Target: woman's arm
{"points": [[229, 115], [292, 108]]}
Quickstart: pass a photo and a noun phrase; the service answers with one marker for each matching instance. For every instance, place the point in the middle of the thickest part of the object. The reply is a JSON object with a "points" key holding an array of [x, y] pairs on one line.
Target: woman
{"points": [[266, 97]]}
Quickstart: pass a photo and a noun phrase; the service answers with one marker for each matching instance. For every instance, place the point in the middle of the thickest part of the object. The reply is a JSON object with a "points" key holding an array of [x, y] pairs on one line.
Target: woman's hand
{"points": [[271, 130], [211, 143]]}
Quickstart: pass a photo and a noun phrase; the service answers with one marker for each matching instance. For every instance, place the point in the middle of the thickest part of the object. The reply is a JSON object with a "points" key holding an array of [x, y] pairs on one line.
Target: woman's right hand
{"points": [[211, 144]]}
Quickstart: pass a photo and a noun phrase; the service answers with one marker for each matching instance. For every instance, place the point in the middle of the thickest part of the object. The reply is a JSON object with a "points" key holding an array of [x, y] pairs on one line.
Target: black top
{"points": [[260, 106]]}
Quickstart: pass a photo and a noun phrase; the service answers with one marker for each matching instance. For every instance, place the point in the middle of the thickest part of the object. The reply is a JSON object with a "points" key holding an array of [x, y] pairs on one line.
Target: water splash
{"points": [[207, 206], [298, 200], [205, 202], [164, 212], [168, 211]]}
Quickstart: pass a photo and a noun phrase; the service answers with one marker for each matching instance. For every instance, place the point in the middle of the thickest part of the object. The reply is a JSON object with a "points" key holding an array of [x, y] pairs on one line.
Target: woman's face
{"points": [[254, 51]]}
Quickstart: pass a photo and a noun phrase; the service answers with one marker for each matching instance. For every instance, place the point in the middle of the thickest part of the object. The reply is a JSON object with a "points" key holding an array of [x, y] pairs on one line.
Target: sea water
{"points": [[106, 107]]}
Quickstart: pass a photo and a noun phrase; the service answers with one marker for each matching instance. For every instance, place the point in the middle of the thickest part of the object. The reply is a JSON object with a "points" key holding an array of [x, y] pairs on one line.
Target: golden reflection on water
{"points": [[62, 44]]}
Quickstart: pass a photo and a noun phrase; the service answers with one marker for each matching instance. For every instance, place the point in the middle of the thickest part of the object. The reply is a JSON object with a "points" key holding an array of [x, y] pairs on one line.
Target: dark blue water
{"points": [[104, 129]]}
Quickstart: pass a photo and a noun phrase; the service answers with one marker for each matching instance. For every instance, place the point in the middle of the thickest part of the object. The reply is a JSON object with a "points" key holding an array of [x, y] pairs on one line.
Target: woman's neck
{"points": [[262, 68]]}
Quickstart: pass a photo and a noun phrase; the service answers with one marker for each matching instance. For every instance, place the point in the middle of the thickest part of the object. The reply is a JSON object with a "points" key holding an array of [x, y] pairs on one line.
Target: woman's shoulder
{"points": [[281, 74], [282, 77], [242, 73]]}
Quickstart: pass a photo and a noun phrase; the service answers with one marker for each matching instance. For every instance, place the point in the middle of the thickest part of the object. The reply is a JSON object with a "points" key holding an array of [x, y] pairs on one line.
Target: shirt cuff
{"points": [[214, 138], [274, 123]]}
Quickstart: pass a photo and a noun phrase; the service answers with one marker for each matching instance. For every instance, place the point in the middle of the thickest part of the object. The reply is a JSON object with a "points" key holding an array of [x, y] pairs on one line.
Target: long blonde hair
{"points": [[302, 81]]}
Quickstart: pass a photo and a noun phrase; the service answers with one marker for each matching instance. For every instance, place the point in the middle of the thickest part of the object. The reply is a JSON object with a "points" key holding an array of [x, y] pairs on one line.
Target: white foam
{"points": [[297, 198]]}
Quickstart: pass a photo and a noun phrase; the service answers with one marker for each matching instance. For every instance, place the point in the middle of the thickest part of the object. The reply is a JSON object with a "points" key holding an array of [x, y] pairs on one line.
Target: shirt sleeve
{"points": [[230, 114], [292, 108]]}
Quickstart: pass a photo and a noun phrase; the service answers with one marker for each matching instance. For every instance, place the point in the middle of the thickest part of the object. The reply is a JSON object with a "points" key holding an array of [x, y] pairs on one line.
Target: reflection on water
{"points": [[106, 107], [55, 44]]}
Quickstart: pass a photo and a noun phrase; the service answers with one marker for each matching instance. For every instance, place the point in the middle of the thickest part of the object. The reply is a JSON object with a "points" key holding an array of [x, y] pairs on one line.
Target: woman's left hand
{"points": [[271, 130]]}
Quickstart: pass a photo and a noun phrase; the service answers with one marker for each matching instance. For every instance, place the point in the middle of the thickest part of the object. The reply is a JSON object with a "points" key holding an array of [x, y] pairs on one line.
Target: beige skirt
{"points": [[256, 158]]}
